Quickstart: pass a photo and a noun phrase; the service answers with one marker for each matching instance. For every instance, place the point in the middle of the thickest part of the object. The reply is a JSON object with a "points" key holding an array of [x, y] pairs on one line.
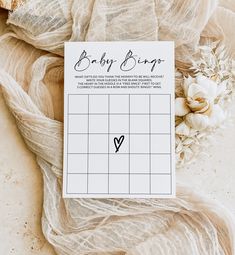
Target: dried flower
{"points": [[198, 106], [201, 101]]}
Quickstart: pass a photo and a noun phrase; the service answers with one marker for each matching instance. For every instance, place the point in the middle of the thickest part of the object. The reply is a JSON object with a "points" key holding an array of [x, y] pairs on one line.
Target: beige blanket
{"points": [[31, 75]]}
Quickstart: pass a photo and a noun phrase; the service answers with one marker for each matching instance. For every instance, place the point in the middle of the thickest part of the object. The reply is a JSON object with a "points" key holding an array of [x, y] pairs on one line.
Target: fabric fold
{"points": [[31, 78]]}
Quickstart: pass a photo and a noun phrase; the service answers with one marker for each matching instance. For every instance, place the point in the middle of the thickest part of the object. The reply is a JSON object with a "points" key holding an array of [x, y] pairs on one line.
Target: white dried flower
{"points": [[201, 102], [198, 104]]}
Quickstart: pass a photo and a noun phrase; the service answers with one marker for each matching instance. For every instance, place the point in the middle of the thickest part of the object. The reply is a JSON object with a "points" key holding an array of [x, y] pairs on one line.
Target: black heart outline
{"points": [[118, 142]]}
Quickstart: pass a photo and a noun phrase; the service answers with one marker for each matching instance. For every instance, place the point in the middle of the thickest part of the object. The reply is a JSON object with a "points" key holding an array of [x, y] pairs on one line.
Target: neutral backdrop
{"points": [[21, 186]]}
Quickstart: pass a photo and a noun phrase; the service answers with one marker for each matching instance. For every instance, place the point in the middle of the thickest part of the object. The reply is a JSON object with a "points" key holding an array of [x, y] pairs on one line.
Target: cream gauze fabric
{"points": [[31, 78]]}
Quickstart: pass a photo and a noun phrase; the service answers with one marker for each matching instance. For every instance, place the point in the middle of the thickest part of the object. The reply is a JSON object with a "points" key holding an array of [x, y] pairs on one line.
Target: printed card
{"points": [[119, 120]]}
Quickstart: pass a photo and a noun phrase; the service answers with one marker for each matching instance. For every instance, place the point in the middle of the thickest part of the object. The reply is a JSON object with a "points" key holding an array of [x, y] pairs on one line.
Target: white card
{"points": [[119, 119]]}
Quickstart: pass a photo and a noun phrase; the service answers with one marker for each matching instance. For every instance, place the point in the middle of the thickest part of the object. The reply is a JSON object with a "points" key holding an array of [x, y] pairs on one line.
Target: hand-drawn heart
{"points": [[118, 142]]}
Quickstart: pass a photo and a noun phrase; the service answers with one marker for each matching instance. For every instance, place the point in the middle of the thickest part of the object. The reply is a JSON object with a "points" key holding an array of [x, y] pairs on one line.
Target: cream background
{"points": [[21, 185]]}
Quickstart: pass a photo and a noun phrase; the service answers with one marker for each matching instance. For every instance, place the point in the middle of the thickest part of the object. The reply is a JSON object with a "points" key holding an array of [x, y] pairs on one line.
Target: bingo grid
{"points": [[119, 144]]}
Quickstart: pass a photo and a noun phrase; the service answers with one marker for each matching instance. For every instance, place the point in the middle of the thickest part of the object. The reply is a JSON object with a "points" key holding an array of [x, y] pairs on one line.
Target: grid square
{"points": [[98, 183], [77, 143], [118, 163], [160, 123], [139, 104], [139, 164], [98, 123], [77, 163], [139, 124], [160, 184], [78, 104], [98, 104], [98, 163], [139, 183], [118, 183], [119, 104], [160, 104], [160, 144], [119, 124], [98, 143], [124, 148], [77, 183], [78, 124], [161, 164], [139, 143]]}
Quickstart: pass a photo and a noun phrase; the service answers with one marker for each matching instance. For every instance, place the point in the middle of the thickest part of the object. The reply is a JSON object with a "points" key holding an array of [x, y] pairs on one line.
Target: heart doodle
{"points": [[118, 142]]}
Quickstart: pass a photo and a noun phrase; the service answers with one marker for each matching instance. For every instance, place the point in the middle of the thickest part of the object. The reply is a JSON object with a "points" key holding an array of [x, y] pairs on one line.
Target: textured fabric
{"points": [[31, 77], [108, 20], [10, 4]]}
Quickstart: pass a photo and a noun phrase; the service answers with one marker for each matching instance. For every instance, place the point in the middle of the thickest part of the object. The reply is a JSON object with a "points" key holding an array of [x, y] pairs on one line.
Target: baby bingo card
{"points": [[119, 119]]}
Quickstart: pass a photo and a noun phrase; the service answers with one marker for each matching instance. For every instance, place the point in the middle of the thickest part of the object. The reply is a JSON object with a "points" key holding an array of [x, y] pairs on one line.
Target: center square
{"points": [[121, 145]]}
